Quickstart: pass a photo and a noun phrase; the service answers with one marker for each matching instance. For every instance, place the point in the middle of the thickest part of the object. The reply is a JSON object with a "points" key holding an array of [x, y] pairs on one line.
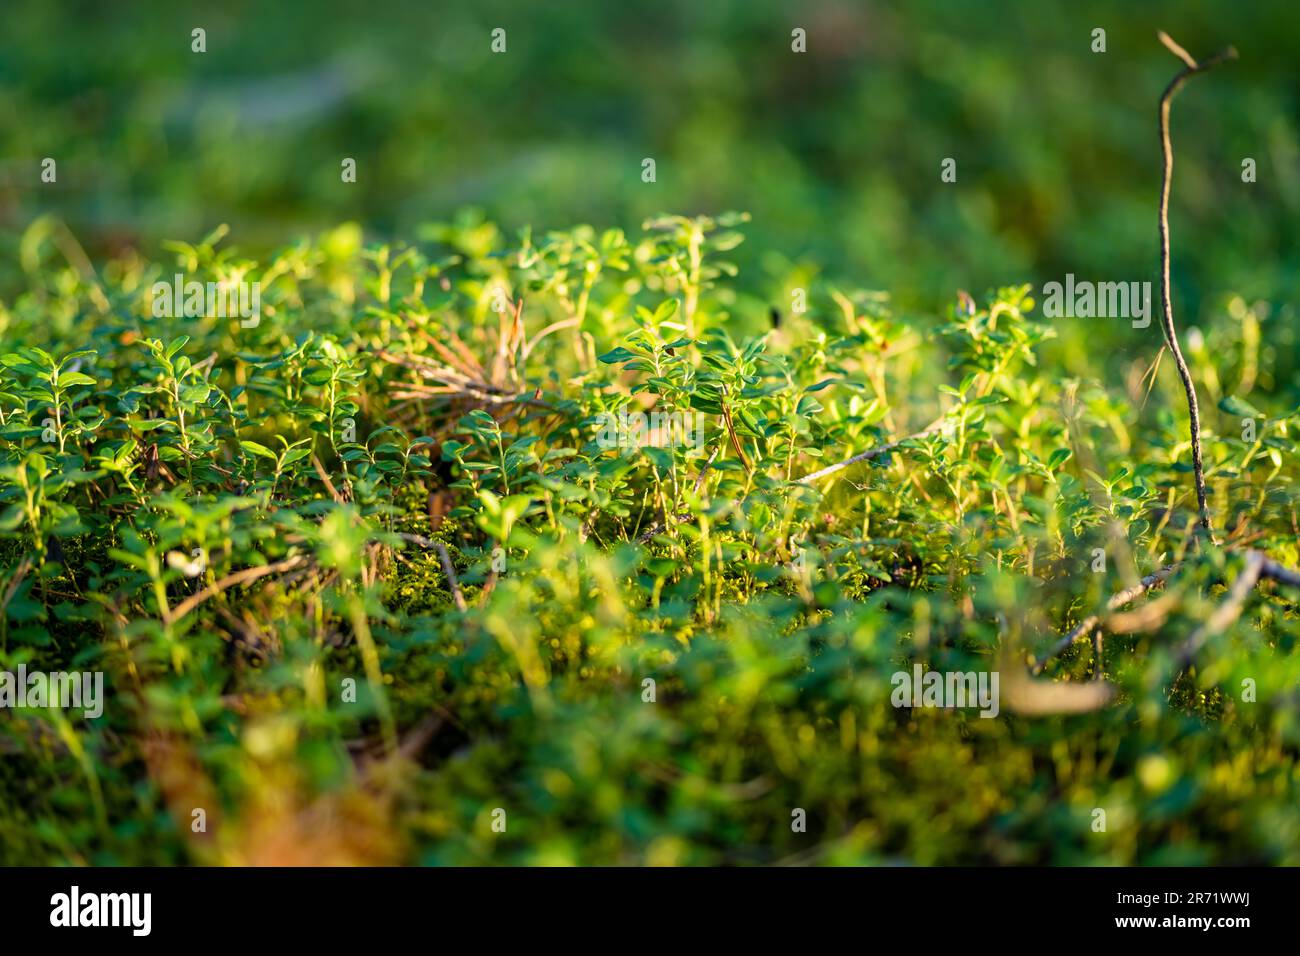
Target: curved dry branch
{"points": [[1092, 621], [1259, 567], [1191, 68]]}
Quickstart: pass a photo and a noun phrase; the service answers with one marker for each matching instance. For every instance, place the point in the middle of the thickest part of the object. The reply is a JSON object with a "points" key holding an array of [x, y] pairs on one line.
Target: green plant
{"points": [[368, 570]]}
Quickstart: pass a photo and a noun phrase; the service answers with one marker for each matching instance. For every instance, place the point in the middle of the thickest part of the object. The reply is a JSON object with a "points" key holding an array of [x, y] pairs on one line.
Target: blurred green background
{"points": [[836, 152]]}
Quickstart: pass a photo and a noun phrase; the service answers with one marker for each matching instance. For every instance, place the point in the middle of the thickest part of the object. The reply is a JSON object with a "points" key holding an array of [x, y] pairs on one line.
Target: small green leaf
{"points": [[254, 448]]}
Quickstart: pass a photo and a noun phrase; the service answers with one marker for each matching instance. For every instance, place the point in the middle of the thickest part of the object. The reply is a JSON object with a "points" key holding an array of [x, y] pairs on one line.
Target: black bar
{"points": [[907, 906]]}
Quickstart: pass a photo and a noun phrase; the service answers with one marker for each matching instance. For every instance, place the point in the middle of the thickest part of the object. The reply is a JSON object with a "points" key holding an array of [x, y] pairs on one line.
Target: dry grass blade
{"points": [[454, 376]]}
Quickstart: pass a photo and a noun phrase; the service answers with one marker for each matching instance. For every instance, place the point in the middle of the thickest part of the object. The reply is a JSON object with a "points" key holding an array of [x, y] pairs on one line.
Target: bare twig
{"points": [[452, 581], [1225, 613], [419, 736], [16, 579], [553, 327], [1176, 49], [325, 479], [1036, 698], [661, 524], [1144, 617], [1271, 570], [1117, 601], [870, 453], [230, 581], [704, 471], [735, 439], [1191, 68], [451, 576], [1258, 567], [1021, 694], [489, 586]]}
